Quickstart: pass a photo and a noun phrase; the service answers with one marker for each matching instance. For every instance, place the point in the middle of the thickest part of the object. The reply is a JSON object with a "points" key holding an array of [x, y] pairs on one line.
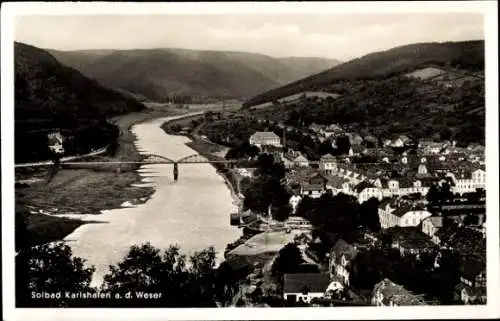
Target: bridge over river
{"points": [[193, 212]]}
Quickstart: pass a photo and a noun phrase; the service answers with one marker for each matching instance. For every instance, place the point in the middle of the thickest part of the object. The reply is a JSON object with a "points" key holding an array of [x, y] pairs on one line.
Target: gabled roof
{"points": [[436, 221], [312, 282], [328, 158]]}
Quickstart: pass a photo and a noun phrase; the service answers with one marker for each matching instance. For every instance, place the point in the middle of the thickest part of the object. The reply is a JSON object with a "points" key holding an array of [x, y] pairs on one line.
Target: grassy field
{"points": [[89, 190]]}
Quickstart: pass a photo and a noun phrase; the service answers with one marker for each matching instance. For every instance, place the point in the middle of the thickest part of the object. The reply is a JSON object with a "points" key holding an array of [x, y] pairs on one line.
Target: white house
{"points": [[479, 178], [402, 214], [431, 225], [303, 287], [312, 190], [265, 138], [466, 181]]}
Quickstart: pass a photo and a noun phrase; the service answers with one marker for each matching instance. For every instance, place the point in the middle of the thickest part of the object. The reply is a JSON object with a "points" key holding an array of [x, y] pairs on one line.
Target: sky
{"points": [[337, 36]]}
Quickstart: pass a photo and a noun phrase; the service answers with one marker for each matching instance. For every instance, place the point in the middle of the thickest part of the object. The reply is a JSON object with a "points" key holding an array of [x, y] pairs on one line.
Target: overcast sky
{"points": [[333, 36]]}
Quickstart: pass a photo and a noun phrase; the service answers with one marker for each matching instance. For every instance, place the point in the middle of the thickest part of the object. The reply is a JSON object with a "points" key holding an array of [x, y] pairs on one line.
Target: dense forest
{"points": [[50, 96]]}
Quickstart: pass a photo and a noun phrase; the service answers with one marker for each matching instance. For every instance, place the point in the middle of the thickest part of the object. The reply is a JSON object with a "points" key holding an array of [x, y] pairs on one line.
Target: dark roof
{"points": [[361, 186], [407, 207], [313, 282]]}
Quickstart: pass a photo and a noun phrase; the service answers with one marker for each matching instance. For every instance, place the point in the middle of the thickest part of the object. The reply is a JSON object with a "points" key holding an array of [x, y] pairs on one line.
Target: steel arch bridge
{"points": [[147, 160]]}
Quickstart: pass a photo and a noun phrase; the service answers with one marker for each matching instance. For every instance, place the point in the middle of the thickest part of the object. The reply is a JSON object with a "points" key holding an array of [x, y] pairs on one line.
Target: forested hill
{"points": [[467, 55], [49, 95], [159, 74]]}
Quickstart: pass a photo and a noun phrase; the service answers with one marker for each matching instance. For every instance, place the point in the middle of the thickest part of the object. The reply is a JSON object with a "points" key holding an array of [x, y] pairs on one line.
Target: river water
{"points": [[192, 212]]}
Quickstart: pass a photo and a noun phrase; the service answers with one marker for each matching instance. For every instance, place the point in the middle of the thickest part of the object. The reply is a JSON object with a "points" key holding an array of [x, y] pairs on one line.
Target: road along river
{"points": [[192, 212]]}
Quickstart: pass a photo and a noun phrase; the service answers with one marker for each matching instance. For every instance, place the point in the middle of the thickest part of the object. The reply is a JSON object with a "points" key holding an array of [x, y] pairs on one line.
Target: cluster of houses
{"points": [[335, 286], [399, 181]]}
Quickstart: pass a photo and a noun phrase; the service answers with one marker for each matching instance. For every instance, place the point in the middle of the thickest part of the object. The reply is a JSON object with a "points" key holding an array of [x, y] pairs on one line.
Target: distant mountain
{"points": [[49, 95], [467, 55], [160, 73]]}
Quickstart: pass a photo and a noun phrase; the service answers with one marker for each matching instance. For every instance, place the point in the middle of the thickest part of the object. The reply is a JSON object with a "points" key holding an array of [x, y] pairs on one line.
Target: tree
{"points": [[201, 287], [282, 212], [50, 268], [145, 269], [266, 166], [343, 145], [262, 192], [336, 214], [305, 206], [288, 260]]}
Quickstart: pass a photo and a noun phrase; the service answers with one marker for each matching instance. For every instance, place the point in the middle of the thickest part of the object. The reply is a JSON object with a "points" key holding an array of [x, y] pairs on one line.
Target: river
{"points": [[192, 212]]}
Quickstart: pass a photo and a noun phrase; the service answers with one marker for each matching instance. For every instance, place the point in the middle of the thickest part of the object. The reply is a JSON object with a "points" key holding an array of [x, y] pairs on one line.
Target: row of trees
{"points": [[80, 139], [177, 280], [339, 216]]}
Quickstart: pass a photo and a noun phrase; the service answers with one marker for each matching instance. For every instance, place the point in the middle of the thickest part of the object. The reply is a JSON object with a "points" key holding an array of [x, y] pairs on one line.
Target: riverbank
{"points": [[88, 190]]}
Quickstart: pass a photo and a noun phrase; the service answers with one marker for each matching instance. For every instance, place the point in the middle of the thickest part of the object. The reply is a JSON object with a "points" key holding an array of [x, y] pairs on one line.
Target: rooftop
{"points": [[310, 282], [396, 293], [264, 135]]}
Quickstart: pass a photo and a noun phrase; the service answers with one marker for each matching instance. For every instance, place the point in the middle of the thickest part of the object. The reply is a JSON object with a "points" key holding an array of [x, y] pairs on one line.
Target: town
{"points": [[419, 233]]}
